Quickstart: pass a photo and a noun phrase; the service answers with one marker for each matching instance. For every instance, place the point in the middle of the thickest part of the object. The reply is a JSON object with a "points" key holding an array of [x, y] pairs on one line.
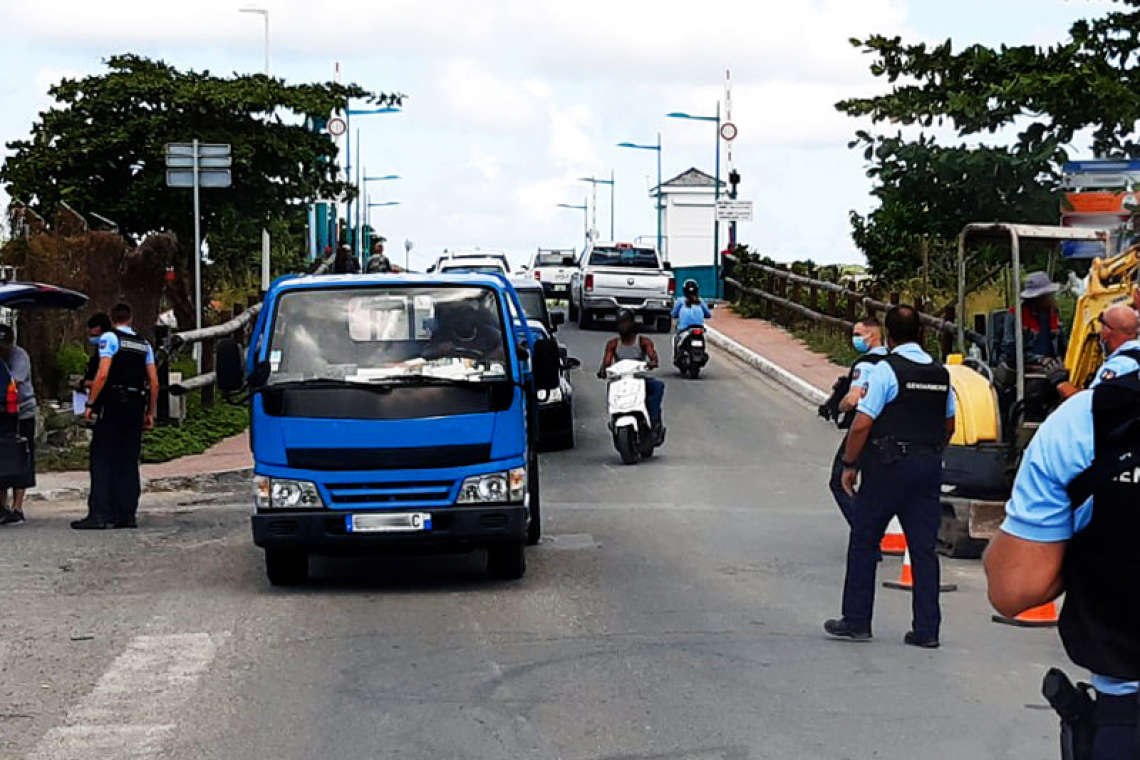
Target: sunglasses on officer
{"points": [[1104, 323]]}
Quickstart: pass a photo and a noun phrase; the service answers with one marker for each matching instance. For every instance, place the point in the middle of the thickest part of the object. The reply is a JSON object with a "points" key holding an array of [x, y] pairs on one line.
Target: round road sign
{"points": [[336, 126], [728, 131]]}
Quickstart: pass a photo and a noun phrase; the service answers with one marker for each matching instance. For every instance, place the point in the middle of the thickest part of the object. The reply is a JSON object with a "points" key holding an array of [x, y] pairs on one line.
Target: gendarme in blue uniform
{"points": [[860, 375], [1122, 362], [1039, 509]]}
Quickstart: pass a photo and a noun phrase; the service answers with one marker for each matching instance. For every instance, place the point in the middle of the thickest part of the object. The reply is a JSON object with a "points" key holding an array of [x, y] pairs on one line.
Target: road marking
{"points": [[134, 707]]}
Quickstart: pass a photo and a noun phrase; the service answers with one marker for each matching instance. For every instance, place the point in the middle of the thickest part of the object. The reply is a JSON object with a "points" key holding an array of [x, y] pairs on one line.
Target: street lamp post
{"points": [[716, 189], [349, 112], [657, 148], [585, 209], [367, 196], [595, 182], [265, 247]]}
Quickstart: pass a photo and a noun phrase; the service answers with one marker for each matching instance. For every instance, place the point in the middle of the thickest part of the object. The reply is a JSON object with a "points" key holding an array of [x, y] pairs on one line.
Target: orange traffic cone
{"points": [[906, 579], [894, 541], [1044, 616]]}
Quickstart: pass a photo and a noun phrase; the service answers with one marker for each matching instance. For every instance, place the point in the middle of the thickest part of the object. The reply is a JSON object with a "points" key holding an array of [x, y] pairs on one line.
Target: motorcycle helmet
{"points": [[691, 289], [625, 317]]}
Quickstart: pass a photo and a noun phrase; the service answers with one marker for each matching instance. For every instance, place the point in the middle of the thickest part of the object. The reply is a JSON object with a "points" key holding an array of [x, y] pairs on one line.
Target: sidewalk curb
{"points": [[791, 382], [201, 482]]}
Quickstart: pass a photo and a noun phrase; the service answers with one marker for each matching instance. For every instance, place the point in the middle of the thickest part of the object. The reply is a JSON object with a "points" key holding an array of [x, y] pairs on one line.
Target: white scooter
{"points": [[634, 436]]}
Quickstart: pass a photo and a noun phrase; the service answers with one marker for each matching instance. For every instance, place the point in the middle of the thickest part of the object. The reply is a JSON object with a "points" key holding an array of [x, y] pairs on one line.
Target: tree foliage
{"points": [[101, 147], [927, 193], [1089, 81]]}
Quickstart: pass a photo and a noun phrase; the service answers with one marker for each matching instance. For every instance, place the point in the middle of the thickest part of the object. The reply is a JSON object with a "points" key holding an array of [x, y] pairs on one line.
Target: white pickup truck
{"points": [[554, 268], [613, 276]]}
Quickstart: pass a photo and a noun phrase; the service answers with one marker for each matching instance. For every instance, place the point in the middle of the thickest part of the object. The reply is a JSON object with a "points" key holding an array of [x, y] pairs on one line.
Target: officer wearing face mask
{"points": [[867, 339]]}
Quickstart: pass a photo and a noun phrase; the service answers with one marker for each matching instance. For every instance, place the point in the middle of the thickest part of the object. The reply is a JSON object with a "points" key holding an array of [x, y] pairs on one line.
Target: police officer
{"points": [[1119, 329], [122, 403], [901, 426], [867, 339], [1072, 526]]}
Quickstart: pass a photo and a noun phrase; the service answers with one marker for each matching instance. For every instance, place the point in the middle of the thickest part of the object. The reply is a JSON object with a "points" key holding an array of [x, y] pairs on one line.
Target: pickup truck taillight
{"points": [[672, 286], [590, 283], [537, 274]]}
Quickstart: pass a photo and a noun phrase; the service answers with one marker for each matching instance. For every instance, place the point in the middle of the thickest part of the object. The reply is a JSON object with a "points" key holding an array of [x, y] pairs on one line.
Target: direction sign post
{"points": [[196, 165]]}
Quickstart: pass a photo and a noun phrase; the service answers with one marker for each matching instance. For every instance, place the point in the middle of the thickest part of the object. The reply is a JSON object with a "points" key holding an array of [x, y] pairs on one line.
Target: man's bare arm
{"points": [[1023, 574]]}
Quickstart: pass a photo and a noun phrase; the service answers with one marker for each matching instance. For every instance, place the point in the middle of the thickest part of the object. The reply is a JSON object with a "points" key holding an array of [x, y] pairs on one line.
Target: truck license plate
{"points": [[402, 522]]}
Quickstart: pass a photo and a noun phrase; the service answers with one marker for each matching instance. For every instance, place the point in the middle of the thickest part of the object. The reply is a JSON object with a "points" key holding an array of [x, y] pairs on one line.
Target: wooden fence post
{"points": [[207, 366]]}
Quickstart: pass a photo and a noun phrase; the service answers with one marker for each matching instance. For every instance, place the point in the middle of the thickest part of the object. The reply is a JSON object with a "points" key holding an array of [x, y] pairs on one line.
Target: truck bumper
{"points": [[556, 289], [453, 529], [607, 308]]}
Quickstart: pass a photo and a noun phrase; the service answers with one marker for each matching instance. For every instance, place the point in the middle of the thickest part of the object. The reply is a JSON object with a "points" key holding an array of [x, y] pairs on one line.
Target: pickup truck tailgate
{"points": [[629, 281]]}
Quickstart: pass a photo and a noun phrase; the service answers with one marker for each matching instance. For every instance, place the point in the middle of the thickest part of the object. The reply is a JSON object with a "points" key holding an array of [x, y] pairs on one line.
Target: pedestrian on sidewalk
{"points": [[123, 402], [901, 427], [867, 339], [18, 366]]}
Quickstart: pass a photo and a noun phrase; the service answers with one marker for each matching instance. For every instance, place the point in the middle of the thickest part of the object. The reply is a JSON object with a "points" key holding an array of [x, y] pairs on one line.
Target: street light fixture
{"points": [[265, 247], [716, 187], [585, 209], [348, 114], [264, 13], [595, 182], [657, 147]]}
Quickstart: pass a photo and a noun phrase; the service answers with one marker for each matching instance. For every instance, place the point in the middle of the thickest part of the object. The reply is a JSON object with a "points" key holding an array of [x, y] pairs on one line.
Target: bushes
{"points": [[201, 429]]}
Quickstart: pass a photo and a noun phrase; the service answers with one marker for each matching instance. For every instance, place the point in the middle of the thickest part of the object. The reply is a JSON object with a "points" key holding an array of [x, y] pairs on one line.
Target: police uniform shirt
{"points": [[109, 345], [1039, 508], [860, 375], [1118, 364], [883, 385]]}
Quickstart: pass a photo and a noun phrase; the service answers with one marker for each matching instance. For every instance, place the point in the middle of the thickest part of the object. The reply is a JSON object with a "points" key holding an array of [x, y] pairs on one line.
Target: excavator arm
{"points": [[1111, 281]]}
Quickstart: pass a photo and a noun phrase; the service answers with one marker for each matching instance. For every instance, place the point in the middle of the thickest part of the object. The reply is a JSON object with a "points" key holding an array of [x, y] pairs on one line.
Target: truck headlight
{"points": [[279, 493], [494, 488]]}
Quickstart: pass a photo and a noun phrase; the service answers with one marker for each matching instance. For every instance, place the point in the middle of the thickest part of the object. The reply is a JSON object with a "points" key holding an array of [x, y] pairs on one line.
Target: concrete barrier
{"points": [[798, 386]]}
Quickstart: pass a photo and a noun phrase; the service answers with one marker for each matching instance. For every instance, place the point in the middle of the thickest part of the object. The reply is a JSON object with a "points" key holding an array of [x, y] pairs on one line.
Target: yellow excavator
{"points": [[999, 407]]}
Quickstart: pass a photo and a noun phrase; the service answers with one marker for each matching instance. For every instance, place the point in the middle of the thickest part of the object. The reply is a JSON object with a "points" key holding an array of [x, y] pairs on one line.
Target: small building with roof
{"points": [[688, 208]]}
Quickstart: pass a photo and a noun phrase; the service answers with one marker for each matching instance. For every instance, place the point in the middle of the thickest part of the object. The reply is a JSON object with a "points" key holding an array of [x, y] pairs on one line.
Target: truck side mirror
{"points": [[668, 266], [228, 366], [572, 363], [546, 363]]}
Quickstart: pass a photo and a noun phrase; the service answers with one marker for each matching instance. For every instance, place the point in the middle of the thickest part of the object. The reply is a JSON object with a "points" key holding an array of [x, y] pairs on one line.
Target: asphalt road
{"points": [[674, 611]]}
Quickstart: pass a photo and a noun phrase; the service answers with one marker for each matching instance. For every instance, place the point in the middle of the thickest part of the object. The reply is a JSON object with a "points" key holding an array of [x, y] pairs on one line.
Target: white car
{"points": [[554, 269], [472, 265], [474, 254]]}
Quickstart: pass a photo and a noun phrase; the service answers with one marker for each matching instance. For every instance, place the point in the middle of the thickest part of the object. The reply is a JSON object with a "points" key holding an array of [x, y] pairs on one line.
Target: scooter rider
{"points": [[689, 311], [630, 345]]}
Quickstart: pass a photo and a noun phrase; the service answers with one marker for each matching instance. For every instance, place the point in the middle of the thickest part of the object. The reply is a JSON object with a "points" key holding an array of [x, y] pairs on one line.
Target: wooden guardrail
{"points": [[820, 301]]}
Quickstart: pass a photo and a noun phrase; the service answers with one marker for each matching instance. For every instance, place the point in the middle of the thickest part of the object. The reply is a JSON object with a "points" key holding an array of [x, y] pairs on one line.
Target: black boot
{"points": [[91, 522]]}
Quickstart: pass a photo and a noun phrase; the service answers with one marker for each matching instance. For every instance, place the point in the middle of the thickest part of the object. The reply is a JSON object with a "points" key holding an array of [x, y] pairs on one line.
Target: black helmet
{"points": [[691, 288], [625, 315]]}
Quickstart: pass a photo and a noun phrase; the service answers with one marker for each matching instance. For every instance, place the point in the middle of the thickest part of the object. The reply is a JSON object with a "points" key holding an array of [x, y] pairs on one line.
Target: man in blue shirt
{"points": [[1119, 326], [901, 426], [1071, 526], [867, 339]]}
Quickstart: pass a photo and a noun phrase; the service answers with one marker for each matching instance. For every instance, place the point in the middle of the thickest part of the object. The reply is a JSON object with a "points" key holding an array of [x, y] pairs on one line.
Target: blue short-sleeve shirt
{"points": [[861, 375], [883, 384], [689, 316], [109, 345], [1118, 364], [1039, 509]]}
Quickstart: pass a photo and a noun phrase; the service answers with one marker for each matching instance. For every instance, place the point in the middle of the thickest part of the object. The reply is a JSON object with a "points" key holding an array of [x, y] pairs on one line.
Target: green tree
{"points": [[927, 193], [101, 149], [1089, 81]]}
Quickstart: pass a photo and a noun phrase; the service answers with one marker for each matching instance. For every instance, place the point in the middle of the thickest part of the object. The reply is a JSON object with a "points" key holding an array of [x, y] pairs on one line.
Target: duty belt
{"points": [[890, 449], [123, 390]]}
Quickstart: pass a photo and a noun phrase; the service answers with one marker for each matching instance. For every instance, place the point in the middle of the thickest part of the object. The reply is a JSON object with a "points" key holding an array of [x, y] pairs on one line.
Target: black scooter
{"points": [[690, 354]]}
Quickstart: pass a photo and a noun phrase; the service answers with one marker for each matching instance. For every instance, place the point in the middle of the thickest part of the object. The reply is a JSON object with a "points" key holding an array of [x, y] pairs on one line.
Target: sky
{"points": [[510, 102]]}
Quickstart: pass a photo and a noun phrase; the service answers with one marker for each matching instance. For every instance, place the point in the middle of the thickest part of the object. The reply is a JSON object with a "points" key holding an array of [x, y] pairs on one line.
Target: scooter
{"points": [[689, 353], [634, 436]]}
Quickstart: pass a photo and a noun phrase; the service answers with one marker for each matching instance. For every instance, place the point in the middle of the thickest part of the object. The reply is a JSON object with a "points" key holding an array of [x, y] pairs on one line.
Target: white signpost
{"points": [[733, 211], [196, 165]]}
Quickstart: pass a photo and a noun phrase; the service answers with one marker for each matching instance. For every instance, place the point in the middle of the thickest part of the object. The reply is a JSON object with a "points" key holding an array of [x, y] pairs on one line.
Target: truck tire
{"points": [[954, 540], [287, 567], [507, 562], [585, 319], [534, 484], [626, 445], [573, 315], [693, 372]]}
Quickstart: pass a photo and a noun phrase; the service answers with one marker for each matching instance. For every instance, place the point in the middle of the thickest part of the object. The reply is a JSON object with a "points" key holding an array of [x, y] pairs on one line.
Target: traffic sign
{"points": [[204, 162], [728, 131], [206, 177], [336, 126], [733, 211], [204, 149]]}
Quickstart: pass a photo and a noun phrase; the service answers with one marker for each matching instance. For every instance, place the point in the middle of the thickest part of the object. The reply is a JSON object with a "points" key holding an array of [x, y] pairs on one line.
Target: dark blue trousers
{"points": [[845, 502], [116, 444], [654, 397], [908, 488], [1115, 720]]}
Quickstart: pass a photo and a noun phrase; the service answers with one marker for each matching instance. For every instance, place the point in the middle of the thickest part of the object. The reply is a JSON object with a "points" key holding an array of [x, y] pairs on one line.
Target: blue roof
{"points": [[1106, 165], [307, 282]]}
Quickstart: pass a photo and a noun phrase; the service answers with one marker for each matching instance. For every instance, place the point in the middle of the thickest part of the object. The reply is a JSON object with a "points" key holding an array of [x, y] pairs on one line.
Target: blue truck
{"points": [[392, 413]]}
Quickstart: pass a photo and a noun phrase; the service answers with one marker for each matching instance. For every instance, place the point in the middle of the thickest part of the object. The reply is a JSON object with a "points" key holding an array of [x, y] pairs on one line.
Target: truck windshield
{"points": [[388, 335], [636, 258]]}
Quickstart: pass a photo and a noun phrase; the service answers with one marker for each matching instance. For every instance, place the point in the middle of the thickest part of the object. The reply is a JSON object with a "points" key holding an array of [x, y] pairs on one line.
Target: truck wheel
{"points": [[585, 319], [573, 315], [694, 372], [534, 525], [954, 540], [626, 445], [287, 567], [507, 562]]}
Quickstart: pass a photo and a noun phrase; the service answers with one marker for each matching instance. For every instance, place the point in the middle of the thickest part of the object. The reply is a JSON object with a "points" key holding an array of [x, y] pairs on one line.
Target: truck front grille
{"points": [[365, 495]]}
